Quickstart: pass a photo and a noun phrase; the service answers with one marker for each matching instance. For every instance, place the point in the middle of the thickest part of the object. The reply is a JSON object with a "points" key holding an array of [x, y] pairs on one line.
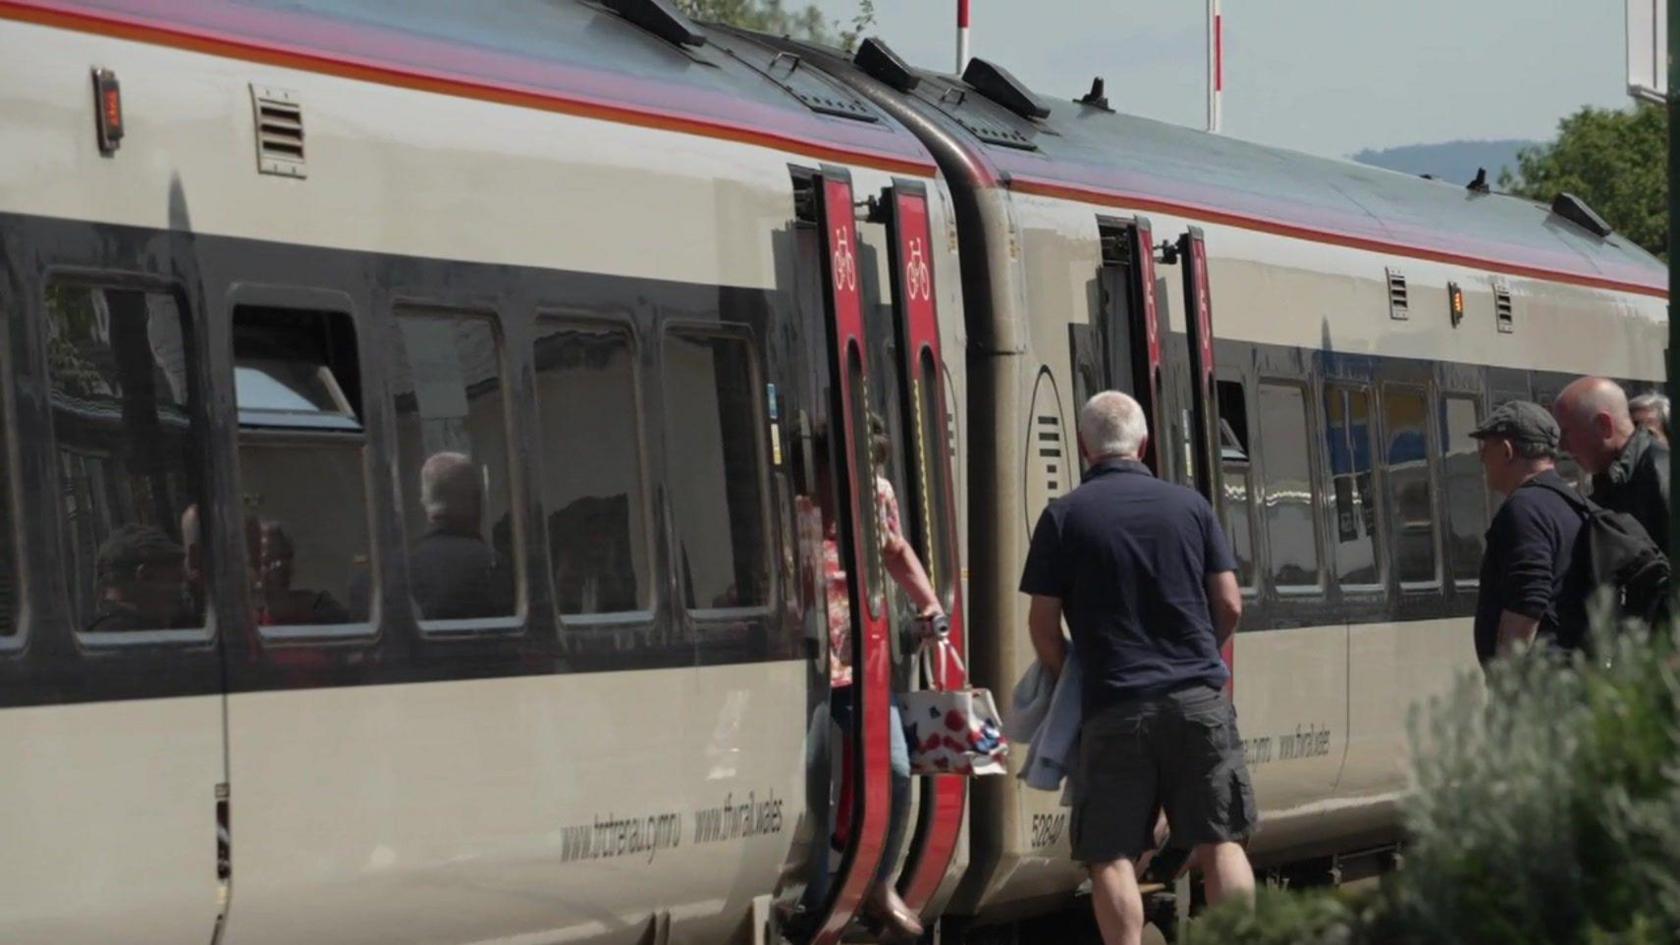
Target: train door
{"points": [[928, 505], [865, 686]]}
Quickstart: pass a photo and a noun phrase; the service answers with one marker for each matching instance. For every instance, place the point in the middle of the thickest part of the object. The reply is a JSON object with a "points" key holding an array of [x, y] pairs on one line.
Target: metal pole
{"points": [[962, 36], [1215, 63]]}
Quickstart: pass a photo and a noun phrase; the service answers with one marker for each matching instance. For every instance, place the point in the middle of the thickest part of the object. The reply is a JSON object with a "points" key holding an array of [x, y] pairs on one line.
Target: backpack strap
{"points": [[1576, 500]]}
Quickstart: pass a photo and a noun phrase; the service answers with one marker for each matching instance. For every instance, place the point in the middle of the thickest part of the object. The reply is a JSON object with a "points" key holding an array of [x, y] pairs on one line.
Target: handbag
{"points": [[951, 731]]}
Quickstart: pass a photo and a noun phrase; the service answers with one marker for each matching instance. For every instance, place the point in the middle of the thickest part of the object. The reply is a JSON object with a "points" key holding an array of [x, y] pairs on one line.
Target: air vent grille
{"points": [[279, 128], [1502, 311], [1050, 451], [1398, 306]]}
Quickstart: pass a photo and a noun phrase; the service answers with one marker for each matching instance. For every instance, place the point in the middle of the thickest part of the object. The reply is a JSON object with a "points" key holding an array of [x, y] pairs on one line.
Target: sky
{"points": [[1329, 77]]}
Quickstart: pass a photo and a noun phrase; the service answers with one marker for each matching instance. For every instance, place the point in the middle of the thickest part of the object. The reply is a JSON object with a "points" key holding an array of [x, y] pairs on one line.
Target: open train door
{"points": [[930, 508], [1127, 343], [869, 749], [1203, 433]]}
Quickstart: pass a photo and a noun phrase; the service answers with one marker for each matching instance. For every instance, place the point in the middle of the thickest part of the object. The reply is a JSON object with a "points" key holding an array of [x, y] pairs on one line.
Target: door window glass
{"points": [[118, 361], [1288, 501], [301, 464], [1465, 490], [929, 424], [452, 464], [592, 491], [1236, 506], [1406, 454], [713, 418], [1347, 413], [8, 572]]}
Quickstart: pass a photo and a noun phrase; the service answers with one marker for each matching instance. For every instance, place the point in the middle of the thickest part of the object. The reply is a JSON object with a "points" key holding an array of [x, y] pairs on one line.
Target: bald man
{"points": [[1629, 465]]}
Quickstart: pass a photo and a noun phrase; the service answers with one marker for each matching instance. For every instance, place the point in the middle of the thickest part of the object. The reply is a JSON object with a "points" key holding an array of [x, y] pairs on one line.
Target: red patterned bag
{"points": [[951, 731]]}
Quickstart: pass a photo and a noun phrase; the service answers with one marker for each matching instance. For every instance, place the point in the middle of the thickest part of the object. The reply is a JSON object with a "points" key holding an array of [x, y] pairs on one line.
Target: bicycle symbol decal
{"points": [[845, 265], [918, 278]]}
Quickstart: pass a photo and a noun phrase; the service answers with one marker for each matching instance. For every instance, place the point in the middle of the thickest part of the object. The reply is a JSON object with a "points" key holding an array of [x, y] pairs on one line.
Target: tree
{"points": [[1617, 161], [771, 16]]}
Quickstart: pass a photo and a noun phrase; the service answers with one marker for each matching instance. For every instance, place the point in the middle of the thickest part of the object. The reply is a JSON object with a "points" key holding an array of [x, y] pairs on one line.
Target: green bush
{"points": [[1546, 810]]}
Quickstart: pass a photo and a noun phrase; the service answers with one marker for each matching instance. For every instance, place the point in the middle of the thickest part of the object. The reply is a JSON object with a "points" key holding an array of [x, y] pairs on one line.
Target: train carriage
{"points": [[431, 423], [475, 365]]}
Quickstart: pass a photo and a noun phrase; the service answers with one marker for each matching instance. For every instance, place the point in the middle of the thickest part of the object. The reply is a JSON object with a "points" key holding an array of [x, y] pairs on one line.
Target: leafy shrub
{"points": [[1546, 810]]}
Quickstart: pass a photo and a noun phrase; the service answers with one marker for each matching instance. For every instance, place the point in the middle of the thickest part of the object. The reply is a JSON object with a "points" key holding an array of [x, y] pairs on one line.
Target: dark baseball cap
{"points": [[1520, 421]]}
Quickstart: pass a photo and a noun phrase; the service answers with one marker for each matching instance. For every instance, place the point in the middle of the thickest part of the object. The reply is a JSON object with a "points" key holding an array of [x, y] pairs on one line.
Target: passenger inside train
{"points": [[142, 580], [456, 575], [901, 562], [278, 602]]}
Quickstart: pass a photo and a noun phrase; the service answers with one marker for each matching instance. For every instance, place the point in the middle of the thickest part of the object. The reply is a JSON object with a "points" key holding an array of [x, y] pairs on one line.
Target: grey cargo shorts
{"points": [[1179, 751]]}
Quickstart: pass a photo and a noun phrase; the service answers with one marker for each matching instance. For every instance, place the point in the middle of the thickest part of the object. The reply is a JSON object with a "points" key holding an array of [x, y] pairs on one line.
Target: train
{"points": [[424, 406]]}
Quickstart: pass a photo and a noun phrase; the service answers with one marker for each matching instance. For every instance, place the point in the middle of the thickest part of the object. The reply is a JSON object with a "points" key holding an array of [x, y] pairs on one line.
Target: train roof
{"points": [[1087, 152], [574, 57]]}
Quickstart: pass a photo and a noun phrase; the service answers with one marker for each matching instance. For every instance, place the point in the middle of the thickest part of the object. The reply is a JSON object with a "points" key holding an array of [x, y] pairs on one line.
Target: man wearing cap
{"points": [[1529, 586], [142, 581]]}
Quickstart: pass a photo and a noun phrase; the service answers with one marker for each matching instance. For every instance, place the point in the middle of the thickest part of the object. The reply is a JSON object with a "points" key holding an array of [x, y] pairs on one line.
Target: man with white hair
{"points": [[1629, 465], [1650, 410], [1146, 579], [453, 572]]}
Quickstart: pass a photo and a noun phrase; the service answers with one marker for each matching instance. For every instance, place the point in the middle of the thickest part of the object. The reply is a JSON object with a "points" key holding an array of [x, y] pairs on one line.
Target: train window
{"points": [[118, 362], [1347, 412], [1237, 506], [1465, 490], [452, 463], [929, 423], [301, 469], [8, 573], [1288, 502], [1406, 456], [592, 488], [871, 481], [713, 419]]}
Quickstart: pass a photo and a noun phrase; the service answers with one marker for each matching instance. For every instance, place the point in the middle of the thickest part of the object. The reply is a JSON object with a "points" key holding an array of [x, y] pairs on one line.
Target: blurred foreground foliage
{"points": [[1546, 810]]}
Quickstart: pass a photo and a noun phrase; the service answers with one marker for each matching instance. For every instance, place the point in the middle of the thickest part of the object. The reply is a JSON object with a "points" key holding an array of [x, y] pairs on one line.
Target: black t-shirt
{"points": [[1528, 567], [1128, 556]]}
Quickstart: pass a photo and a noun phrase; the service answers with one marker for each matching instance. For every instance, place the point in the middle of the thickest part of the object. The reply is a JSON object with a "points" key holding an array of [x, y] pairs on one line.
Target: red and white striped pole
{"points": [[962, 36], [1215, 63]]}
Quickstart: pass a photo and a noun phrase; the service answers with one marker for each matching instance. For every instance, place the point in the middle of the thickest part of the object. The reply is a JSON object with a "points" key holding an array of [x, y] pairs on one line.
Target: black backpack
{"points": [[1616, 552]]}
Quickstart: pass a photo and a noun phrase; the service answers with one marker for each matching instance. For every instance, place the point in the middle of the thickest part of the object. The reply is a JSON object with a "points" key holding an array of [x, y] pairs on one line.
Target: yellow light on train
{"points": [[107, 110], [1455, 303]]}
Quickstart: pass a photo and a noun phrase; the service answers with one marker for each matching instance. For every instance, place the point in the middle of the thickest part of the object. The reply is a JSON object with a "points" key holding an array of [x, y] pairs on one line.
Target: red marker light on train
{"points": [[107, 110], [1455, 303]]}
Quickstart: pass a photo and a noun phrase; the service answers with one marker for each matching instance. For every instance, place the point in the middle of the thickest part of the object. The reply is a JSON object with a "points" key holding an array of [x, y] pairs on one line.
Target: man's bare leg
{"points": [[1117, 902], [1225, 872]]}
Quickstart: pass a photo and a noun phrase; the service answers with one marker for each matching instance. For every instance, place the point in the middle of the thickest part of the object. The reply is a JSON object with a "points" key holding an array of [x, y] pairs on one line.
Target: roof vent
{"points": [[995, 82], [1502, 312], [661, 18], [1397, 303], [1576, 211], [879, 62], [1095, 98], [279, 125]]}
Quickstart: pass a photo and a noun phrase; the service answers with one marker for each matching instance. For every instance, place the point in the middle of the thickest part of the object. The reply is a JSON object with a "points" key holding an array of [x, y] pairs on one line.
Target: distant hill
{"points": [[1454, 161]]}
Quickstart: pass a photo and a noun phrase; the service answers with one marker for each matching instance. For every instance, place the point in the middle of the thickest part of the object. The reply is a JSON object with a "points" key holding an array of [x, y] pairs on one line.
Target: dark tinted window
{"points": [[122, 418], [8, 572], [1406, 454], [301, 464], [1465, 489], [1287, 500], [1237, 506], [868, 480], [1348, 434], [452, 464], [929, 427], [717, 487], [591, 488]]}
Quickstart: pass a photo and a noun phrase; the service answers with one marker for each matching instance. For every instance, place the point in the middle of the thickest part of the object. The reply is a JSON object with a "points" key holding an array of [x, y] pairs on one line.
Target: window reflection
{"points": [[1348, 434], [452, 461], [1288, 504], [117, 361], [1465, 490], [1406, 454], [712, 423], [1236, 508], [592, 473]]}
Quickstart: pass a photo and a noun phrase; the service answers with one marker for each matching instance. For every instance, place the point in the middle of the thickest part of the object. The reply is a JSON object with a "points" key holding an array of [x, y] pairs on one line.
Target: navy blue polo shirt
{"points": [[1128, 556], [1529, 567]]}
